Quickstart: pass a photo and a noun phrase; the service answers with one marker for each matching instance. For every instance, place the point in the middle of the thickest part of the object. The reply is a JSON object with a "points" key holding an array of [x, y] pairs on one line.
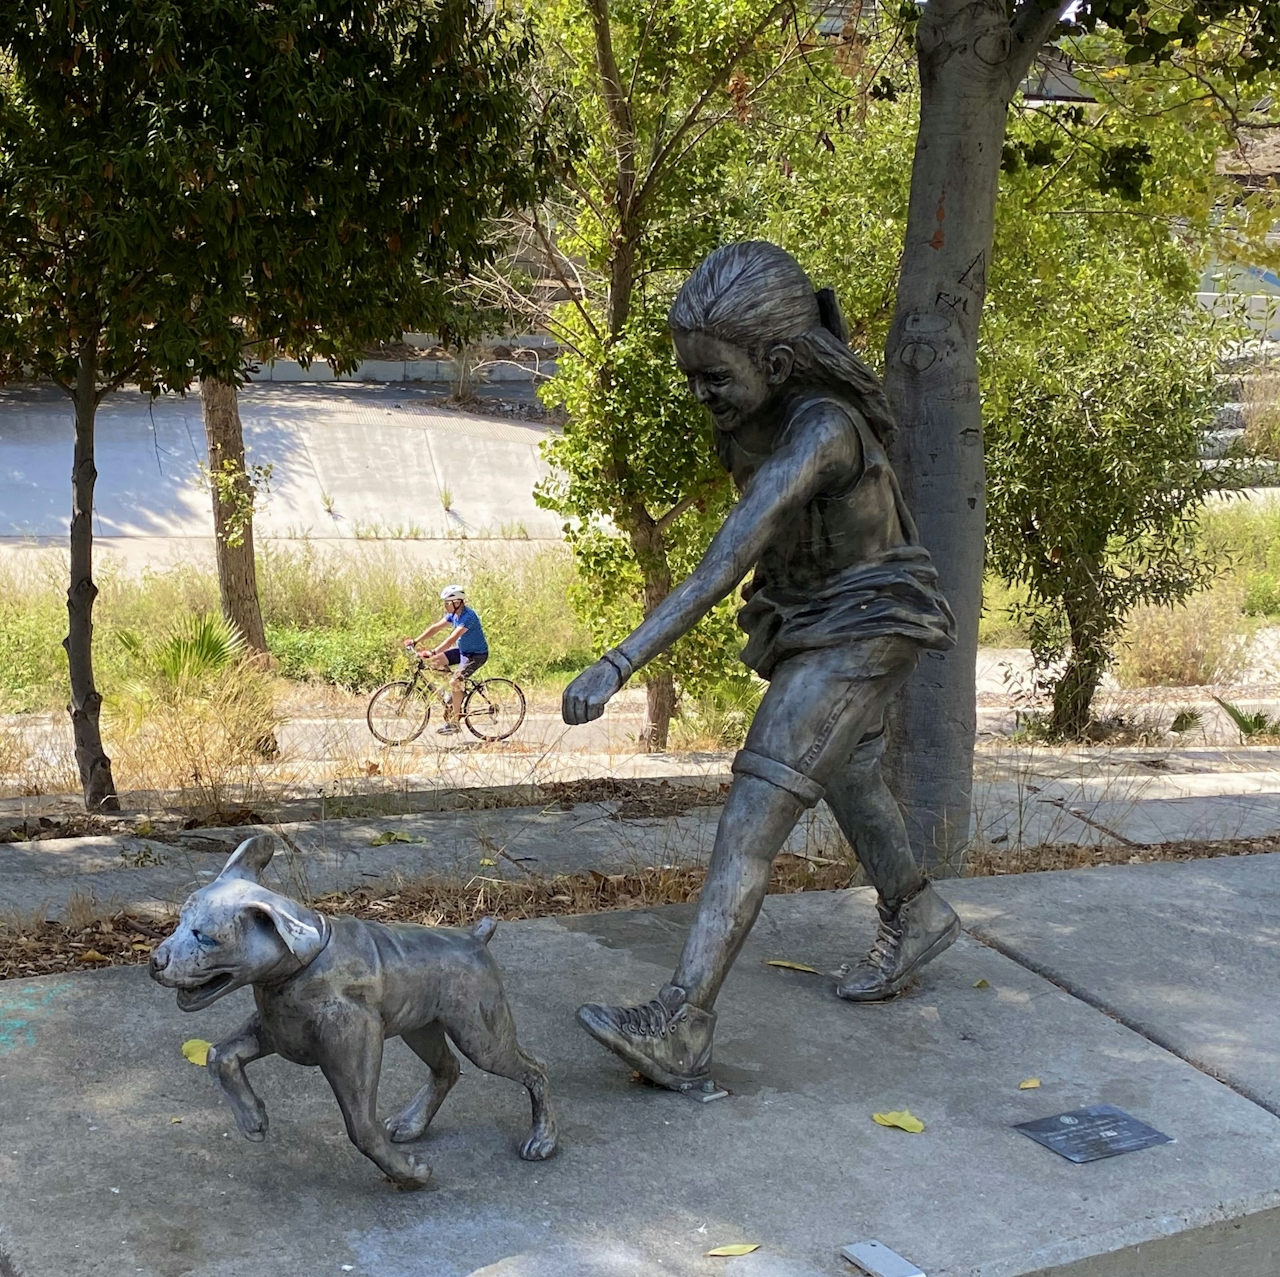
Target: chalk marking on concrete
{"points": [[19, 1009]]}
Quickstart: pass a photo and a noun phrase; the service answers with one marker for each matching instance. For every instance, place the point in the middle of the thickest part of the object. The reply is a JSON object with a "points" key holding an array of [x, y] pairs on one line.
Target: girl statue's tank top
{"points": [[845, 566]]}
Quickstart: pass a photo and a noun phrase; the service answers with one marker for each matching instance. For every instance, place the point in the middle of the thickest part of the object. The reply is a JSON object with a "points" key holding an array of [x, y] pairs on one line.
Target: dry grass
{"points": [[986, 862], [91, 935], [1200, 643], [1261, 410], [208, 741]]}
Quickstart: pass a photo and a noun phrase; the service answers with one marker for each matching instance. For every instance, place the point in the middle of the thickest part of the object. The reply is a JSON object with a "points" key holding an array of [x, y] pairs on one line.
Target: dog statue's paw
{"points": [[253, 1123], [540, 1144], [418, 1174], [406, 1126]]}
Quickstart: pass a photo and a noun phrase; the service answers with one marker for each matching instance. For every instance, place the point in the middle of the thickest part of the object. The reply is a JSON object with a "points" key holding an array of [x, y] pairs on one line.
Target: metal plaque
{"points": [[877, 1260], [1089, 1134]]}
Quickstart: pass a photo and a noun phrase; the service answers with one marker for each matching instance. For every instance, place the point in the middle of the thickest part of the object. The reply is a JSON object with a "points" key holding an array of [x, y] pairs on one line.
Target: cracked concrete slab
{"points": [[97, 1179], [1187, 953]]}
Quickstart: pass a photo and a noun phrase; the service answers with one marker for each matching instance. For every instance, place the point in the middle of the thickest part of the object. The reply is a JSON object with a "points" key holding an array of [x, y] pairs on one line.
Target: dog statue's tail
{"points": [[484, 929]]}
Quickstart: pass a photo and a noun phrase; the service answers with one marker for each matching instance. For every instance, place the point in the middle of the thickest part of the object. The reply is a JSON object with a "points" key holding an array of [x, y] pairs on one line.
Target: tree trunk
{"points": [[86, 703], [660, 689], [971, 61], [233, 496], [1074, 691]]}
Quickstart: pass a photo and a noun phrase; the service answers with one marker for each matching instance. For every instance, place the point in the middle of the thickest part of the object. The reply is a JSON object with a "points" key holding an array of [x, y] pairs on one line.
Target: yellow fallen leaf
{"points": [[389, 836], [903, 1119], [92, 955], [197, 1051], [791, 966], [1031, 1084], [142, 948], [982, 984], [735, 1248], [173, 1121], [487, 863]]}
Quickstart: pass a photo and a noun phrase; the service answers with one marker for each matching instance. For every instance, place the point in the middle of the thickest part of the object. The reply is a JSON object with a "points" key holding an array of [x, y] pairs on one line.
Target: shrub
{"points": [[1198, 643], [199, 715], [358, 657]]}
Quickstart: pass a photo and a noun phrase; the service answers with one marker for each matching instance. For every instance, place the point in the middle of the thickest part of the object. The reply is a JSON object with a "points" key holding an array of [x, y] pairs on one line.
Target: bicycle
{"points": [[399, 711]]}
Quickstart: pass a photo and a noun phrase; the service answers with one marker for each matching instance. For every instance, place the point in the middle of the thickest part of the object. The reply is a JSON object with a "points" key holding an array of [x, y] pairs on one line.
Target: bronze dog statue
{"points": [[330, 990]]}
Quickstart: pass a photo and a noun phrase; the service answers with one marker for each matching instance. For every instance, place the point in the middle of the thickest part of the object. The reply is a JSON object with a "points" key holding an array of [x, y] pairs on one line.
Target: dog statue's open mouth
{"points": [[194, 999]]}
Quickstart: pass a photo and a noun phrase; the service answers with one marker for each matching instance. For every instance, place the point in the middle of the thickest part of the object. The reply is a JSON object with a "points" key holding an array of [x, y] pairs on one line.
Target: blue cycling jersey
{"points": [[473, 642]]}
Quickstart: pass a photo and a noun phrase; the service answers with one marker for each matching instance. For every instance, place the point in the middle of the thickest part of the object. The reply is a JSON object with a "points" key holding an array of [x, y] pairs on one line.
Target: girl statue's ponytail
{"points": [[829, 313]]}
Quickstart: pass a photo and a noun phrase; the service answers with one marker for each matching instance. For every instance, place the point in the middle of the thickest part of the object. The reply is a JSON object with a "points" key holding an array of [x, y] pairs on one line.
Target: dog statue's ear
{"points": [[250, 858], [303, 931]]}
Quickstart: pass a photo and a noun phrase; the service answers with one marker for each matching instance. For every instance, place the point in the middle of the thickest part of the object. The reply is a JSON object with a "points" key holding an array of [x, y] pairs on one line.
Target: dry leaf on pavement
{"points": [[791, 966], [735, 1248], [197, 1051], [903, 1119]]}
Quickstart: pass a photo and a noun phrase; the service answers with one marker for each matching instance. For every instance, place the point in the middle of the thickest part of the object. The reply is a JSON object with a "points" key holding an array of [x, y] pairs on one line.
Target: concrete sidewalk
{"points": [[97, 1179], [1020, 801]]}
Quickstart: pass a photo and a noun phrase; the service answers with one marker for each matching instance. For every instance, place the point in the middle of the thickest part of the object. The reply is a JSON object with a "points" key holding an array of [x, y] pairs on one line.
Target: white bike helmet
{"points": [[451, 592]]}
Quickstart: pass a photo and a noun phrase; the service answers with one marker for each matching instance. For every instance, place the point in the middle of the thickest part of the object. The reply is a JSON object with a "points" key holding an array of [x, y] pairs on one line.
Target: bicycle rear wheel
{"points": [[395, 715], [494, 709]]}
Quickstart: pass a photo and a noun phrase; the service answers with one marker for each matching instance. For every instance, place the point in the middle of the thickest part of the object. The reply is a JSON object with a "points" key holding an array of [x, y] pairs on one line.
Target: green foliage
{"points": [[329, 619], [1093, 478], [1250, 725], [177, 180], [1246, 32], [637, 441], [196, 649], [360, 655], [665, 93]]}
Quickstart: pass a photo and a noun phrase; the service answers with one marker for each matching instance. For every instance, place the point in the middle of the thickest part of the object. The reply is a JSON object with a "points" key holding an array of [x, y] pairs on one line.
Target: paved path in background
{"points": [[119, 1157], [348, 460], [1020, 802]]}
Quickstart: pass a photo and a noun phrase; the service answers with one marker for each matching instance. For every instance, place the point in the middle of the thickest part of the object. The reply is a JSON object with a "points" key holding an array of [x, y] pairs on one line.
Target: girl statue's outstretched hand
{"points": [[586, 697]]}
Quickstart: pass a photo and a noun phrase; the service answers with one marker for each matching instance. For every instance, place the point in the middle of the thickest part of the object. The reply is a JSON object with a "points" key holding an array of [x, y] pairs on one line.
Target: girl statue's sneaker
{"points": [[666, 1040], [914, 933]]}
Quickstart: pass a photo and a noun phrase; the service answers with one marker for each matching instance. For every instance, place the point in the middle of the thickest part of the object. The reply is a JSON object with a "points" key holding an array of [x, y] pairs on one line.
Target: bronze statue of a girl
{"points": [[841, 601]]}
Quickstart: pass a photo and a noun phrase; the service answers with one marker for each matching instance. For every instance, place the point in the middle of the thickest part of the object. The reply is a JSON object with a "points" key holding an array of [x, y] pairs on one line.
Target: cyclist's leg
{"points": [[467, 667]]}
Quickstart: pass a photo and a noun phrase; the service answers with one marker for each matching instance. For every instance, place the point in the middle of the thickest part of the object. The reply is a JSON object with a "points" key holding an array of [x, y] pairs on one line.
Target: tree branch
{"points": [[553, 259], [1033, 24], [713, 85], [616, 102], [666, 520]]}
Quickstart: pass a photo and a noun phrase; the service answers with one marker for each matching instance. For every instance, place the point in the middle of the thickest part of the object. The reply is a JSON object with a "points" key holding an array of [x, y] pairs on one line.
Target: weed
{"points": [[326, 500], [1194, 644], [718, 719], [446, 499], [1262, 415], [1251, 726]]}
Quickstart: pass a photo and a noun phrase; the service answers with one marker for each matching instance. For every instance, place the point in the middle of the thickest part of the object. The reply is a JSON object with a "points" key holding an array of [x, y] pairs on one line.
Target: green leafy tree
{"points": [[971, 60], [1127, 191], [102, 260], [663, 90], [366, 150], [177, 182], [1093, 475]]}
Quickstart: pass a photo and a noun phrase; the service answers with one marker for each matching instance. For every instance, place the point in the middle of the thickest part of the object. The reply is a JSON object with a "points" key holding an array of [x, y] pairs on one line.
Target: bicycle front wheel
{"points": [[395, 715], [494, 709]]}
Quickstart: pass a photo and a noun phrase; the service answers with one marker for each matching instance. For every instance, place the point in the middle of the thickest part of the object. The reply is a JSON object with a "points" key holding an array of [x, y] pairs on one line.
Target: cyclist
{"points": [[464, 649]]}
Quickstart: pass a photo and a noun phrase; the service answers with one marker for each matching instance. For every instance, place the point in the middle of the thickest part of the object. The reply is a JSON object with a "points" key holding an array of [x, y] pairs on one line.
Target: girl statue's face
{"points": [[726, 380]]}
